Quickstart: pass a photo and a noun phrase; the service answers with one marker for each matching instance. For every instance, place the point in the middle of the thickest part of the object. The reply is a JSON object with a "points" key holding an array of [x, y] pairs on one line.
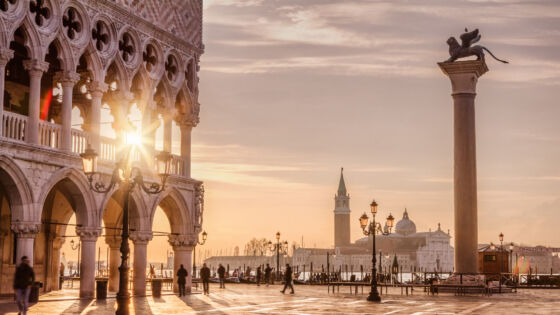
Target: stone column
{"points": [[149, 127], [167, 132], [88, 236], [182, 255], [67, 79], [5, 56], [140, 240], [25, 239], [186, 129], [35, 69], [464, 76], [114, 262], [96, 89], [55, 266]]}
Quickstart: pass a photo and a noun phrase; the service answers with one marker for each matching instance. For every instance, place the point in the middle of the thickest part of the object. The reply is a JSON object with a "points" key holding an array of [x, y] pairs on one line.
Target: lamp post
{"points": [[371, 229], [204, 237], [78, 248], [127, 177], [510, 247], [278, 247], [501, 237]]}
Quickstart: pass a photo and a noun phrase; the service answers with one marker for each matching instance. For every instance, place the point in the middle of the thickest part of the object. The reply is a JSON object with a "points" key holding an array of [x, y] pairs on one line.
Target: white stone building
{"points": [[60, 56], [420, 251]]}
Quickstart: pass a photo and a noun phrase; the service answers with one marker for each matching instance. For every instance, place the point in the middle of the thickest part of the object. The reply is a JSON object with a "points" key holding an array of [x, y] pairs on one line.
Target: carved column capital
{"points": [[97, 88], [26, 229], [35, 67], [113, 241], [141, 237], [88, 234], [57, 242], [183, 241], [5, 56], [67, 78]]}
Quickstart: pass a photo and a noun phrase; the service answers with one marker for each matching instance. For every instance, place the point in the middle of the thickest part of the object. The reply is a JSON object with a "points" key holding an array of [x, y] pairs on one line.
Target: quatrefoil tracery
{"points": [[149, 57], [5, 4], [126, 48], [71, 22], [41, 11], [171, 67], [99, 35]]}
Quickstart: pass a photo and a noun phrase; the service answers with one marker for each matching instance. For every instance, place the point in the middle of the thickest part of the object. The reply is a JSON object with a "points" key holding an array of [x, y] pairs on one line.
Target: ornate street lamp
{"points": [[280, 248], [204, 237], [78, 248], [127, 177], [501, 237], [371, 229], [510, 247]]}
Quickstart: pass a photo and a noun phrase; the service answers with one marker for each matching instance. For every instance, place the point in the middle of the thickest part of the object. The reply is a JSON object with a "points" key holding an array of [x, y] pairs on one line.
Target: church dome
{"points": [[405, 226]]}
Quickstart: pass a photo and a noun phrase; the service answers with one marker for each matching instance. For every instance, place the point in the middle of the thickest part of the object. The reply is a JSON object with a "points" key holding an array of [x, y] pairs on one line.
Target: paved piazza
{"points": [[246, 299]]}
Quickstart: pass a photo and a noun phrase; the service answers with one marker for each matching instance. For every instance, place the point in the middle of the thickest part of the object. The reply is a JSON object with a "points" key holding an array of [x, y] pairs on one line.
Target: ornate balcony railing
{"points": [[79, 141], [14, 126], [49, 134]]}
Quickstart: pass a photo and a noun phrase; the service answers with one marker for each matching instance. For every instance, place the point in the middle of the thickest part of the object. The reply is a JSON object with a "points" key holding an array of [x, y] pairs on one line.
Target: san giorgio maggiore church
{"points": [[421, 251]]}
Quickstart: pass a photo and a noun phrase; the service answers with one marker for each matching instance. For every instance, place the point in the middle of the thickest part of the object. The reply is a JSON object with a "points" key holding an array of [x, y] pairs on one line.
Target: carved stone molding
{"points": [[35, 67], [5, 56], [141, 237], [67, 77], [183, 241], [88, 234], [113, 241], [26, 229]]}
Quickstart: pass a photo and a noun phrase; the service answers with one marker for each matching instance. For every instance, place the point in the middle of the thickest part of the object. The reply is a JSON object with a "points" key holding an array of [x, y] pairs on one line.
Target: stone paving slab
{"points": [[249, 299]]}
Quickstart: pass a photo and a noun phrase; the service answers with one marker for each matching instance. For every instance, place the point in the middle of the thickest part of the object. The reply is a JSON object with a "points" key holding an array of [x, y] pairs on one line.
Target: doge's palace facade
{"points": [[59, 57]]}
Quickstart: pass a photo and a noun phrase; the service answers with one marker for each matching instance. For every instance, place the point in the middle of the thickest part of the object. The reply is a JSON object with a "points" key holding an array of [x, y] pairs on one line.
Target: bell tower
{"points": [[341, 214]]}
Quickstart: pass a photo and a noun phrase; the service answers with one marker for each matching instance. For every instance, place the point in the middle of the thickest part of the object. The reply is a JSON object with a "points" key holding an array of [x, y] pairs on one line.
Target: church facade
{"points": [[421, 251], [103, 58]]}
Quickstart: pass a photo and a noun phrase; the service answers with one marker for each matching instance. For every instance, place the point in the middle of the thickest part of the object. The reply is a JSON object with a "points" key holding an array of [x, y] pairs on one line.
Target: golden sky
{"points": [[292, 90]]}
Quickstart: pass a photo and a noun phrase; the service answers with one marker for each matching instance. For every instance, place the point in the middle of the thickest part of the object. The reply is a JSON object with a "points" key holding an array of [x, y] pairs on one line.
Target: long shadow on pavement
{"points": [[77, 307], [199, 305], [141, 306]]}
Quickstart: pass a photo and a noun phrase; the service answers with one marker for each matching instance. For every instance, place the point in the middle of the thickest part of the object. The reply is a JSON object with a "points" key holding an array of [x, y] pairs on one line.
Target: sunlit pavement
{"points": [[249, 299]]}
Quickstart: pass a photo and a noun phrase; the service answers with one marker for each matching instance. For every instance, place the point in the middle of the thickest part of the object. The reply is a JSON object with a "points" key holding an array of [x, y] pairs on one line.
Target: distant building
{"points": [[421, 251], [342, 214]]}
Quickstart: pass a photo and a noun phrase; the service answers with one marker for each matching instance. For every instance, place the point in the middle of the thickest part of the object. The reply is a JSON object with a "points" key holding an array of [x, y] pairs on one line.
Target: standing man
{"points": [[259, 274], [267, 272], [222, 276], [23, 280], [205, 276], [182, 274], [61, 278], [288, 279]]}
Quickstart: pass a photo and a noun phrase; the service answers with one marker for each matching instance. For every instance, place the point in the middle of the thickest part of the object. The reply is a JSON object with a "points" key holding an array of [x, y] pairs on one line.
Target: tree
{"points": [[256, 247]]}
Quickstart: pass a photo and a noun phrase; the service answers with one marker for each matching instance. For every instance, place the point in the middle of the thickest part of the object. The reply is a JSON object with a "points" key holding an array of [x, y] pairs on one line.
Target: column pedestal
{"points": [[96, 90], [5, 56], [114, 263], [25, 236], [67, 79], [140, 240], [36, 68], [464, 76], [88, 237], [182, 255]]}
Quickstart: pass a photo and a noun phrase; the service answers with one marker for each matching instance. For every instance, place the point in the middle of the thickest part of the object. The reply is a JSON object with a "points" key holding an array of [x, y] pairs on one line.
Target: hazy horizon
{"points": [[292, 90]]}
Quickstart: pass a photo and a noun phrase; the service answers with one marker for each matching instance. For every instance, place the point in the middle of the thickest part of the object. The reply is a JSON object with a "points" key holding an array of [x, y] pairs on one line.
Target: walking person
{"points": [[182, 274], [288, 279], [222, 276], [259, 274], [205, 276], [267, 272], [23, 280]]}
